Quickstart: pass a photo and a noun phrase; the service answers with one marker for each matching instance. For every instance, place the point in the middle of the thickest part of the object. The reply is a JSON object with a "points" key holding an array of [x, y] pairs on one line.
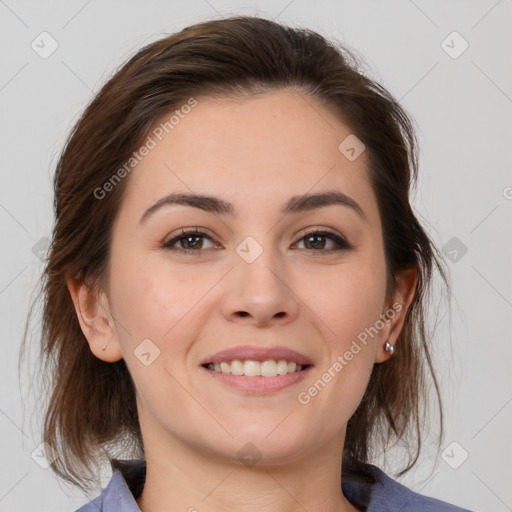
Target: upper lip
{"points": [[258, 353]]}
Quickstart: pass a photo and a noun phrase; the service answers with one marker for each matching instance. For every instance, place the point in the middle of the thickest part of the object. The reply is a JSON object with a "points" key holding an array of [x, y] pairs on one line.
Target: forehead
{"points": [[267, 147]]}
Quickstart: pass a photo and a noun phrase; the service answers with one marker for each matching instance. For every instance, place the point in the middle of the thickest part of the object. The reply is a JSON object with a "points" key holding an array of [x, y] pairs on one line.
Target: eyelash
{"points": [[184, 233]]}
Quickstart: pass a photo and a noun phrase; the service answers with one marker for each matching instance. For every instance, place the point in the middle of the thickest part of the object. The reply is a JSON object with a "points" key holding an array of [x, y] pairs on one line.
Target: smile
{"points": [[255, 382], [251, 368]]}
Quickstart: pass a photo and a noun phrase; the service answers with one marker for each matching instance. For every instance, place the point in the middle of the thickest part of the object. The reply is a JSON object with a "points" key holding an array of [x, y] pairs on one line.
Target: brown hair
{"points": [[92, 412]]}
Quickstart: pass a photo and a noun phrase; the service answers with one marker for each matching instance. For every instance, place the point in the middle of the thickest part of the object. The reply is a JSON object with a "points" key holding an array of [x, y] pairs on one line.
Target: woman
{"points": [[235, 297]]}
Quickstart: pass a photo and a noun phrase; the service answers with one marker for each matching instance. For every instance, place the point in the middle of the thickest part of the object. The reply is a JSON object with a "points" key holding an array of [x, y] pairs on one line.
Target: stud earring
{"points": [[389, 348]]}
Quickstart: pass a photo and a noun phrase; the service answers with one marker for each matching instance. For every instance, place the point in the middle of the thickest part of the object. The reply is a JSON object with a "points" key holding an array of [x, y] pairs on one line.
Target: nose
{"points": [[260, 293]]}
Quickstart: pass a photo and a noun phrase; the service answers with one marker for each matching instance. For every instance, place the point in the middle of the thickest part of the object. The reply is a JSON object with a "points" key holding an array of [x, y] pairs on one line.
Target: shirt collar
{"points": [[365, 489]]}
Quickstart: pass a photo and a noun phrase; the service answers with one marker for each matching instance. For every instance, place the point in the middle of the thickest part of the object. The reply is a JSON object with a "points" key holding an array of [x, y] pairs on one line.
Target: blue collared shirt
{"points": [[380, 493]]}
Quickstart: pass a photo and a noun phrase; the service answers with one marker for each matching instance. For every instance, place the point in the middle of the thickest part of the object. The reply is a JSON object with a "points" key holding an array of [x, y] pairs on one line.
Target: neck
{"points": [[181, 477]]}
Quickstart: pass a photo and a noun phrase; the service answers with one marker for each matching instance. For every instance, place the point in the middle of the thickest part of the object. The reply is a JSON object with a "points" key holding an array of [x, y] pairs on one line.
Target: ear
{"points": [[395, 312], [93, 312]]}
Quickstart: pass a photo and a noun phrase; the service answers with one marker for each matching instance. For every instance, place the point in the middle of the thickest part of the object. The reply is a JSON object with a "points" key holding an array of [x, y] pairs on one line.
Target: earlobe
{"points": [[95, 320], [403, 297]]}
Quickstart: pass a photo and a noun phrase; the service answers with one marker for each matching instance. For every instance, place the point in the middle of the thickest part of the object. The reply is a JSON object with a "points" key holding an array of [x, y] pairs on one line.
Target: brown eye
{"points": [[191, 241], [319, 240]]}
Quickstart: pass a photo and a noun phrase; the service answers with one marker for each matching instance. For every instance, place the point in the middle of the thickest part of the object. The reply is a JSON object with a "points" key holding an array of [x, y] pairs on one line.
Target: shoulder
{"points": [[93, 506], [96, 505], [389, 495], [116, 497]]}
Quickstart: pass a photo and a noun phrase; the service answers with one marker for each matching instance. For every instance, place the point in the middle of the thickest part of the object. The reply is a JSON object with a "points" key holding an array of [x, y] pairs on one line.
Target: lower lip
{"points": [[258, 384]]}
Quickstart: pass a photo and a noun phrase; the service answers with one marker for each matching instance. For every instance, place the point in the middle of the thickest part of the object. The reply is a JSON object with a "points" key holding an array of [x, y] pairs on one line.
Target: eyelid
{"points": [[184, 232], [339, 239], [317, 230]]}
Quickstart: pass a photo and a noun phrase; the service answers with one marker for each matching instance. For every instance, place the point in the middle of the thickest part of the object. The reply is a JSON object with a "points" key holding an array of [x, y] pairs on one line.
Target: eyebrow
{"points": [[295, 204]]}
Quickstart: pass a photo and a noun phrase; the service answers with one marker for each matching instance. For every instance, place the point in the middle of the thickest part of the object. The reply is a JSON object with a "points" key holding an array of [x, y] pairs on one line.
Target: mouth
{"points": [[256, 378], [251, 368], [257, 370]]}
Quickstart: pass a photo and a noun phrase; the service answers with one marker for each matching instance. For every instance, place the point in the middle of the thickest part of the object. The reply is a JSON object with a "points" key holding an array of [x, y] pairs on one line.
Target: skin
{"points": [[255, 152]]}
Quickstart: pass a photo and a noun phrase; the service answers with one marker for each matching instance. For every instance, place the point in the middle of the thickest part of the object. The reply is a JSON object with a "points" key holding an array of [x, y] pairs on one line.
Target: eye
{"points": [[190, 240], [318, 241]]}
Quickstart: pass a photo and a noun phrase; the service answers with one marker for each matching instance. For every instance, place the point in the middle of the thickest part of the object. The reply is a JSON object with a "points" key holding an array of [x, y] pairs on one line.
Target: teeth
{"points": [[237, 367], [250, 368]]}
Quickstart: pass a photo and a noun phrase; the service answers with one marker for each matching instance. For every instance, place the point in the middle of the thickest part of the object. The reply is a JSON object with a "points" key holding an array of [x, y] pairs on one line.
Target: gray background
{"points": [[462, 107]]}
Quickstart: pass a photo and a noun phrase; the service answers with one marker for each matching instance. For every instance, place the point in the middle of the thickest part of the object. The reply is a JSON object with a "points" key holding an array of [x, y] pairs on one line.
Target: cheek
{"points": [[147, 298], [347, 299], [154, 307], [347, 302], [167, 307]]}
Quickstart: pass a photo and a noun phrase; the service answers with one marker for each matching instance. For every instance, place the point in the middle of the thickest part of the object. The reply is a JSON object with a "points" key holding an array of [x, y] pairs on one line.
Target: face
{"points": [[249, 275]]}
